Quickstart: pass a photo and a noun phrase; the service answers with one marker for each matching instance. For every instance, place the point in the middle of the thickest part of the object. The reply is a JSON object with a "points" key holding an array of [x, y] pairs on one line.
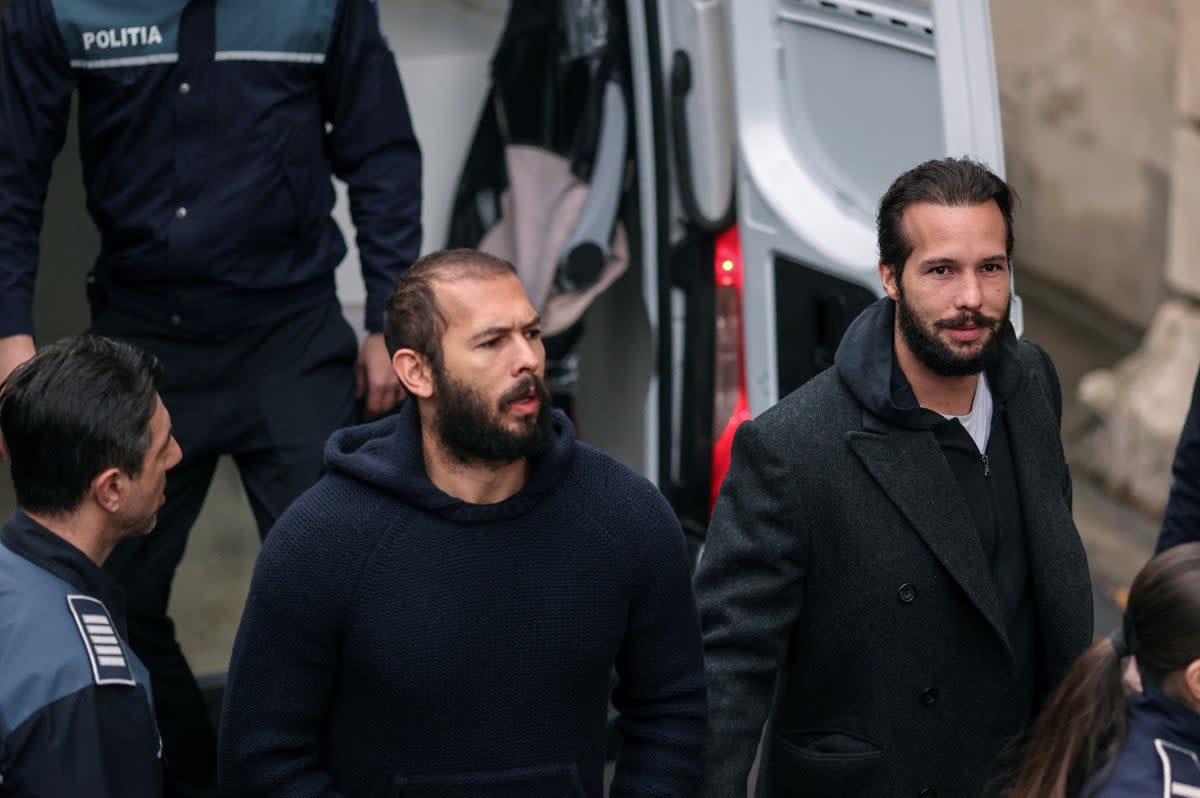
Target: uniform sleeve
{"points": [[1181, 523], [36, 83], [749, 587], [660, 694], [373, 149], [99, 741], [284, 661]]}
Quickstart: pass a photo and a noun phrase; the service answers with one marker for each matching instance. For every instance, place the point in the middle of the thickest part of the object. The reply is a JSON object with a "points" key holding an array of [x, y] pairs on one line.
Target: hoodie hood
{"points": [[387, 454], [866, 362]]}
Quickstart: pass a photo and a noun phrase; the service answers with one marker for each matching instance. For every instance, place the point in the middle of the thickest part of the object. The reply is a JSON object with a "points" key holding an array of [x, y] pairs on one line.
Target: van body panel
{"points": [[797, 114], [833, 101]]}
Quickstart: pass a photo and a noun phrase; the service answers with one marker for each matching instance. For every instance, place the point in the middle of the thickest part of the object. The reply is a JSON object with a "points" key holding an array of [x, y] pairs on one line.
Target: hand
{"points": [[375, 379], [14, 350]]}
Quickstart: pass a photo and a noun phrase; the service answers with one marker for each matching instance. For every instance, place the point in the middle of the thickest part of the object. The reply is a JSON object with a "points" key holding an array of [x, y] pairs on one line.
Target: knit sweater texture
{"points": [[400, 642]]}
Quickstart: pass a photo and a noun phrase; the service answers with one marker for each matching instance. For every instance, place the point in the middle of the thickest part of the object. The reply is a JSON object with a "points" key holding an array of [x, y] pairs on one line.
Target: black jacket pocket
{"points": [[826, 764], [540, 781]]}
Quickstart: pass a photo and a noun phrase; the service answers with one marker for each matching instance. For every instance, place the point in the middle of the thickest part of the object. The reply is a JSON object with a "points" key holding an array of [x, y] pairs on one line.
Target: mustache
{"points": [[969, 317], [529, 384]]}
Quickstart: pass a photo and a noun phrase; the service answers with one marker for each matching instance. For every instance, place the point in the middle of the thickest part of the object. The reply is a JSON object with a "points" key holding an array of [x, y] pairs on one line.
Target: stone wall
{"points": [[1183, 262], [1101, 106], [1087, 95]]}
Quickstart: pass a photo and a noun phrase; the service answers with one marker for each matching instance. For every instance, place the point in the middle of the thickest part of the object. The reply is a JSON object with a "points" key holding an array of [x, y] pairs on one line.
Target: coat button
{"points": [[181, 213], [185, 88], [907, 593], [927, 792], [929, 696], [176, 320]]}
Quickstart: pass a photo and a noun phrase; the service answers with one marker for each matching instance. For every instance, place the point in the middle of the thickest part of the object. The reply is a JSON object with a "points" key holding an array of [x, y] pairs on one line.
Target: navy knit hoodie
{"points": [[400, 642]]}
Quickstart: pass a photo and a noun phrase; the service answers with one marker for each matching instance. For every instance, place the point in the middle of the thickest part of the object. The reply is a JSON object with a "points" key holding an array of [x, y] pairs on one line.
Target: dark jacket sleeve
{"points": [[99, 741], [660, 693], [285, 658], [372, 147], [749, 587], [1181, 523], [36, 83]]}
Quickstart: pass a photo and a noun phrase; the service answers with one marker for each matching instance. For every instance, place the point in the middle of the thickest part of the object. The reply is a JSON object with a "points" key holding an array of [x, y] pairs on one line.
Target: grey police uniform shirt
{"points": [[76, 713]]}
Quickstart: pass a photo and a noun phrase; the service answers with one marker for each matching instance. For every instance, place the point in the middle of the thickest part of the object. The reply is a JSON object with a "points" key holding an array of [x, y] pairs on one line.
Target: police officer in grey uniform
{"points": [[89, 443], [208, 134]]}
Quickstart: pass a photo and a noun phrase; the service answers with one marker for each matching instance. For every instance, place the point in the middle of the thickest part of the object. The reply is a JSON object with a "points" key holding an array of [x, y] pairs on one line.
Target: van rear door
{"points": [[833, 100]]}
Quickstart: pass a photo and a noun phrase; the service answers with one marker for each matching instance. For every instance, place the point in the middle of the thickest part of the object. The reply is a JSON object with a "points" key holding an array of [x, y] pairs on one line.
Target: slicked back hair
{"points": [[414, 319], [949, 182], [78, 407]]}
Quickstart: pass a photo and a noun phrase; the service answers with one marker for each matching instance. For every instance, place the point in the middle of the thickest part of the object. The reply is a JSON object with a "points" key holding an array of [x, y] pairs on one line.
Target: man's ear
{"points": [[414, 372], [1191, 683], [108, 489], [887, 276]]}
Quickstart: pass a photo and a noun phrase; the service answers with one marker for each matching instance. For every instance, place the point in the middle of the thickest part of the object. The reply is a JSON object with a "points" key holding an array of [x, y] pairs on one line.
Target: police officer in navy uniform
{"points": [[1181, 520], [1161, 754], [209, 130], [89, 443], [1094, 741]]}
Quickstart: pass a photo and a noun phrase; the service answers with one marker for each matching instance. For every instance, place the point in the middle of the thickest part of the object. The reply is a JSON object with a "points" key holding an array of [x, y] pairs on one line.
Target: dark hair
{"points": [[414, 320], [1082, 728], [78, 407], [948, 181]]}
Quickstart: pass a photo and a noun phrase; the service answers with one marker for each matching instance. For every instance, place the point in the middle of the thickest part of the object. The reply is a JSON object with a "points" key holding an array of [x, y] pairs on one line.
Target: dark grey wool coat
{"points": [[842, 558]]}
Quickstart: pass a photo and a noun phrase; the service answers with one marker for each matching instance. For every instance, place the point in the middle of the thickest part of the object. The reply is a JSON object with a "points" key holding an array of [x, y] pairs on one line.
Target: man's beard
{"points": [[473, 434], [941, 358]]}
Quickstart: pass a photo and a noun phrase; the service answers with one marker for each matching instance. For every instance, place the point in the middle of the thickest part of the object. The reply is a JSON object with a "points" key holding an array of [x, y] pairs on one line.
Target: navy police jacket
{"points": [[1181, 521], [1161, 753], [208, 131], [76, 717]]}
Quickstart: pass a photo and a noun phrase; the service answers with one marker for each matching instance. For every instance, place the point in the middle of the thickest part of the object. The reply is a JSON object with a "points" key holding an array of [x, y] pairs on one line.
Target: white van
{"points": [[761, 134]]}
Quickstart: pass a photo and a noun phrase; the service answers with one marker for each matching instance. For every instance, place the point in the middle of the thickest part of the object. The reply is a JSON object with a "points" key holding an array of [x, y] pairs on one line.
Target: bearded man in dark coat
{"points": [[892, 581]]}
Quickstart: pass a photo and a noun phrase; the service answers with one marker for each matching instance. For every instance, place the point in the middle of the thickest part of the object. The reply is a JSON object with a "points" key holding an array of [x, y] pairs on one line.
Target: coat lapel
{"points": [[1056, 554], [910, 467]]}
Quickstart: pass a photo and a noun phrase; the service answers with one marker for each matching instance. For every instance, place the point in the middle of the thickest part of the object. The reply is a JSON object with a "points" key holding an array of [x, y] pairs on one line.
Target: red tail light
{"points": [[730, 404]]}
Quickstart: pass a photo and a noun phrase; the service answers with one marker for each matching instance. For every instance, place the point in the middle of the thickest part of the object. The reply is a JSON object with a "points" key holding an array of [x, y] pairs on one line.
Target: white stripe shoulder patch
{"points": [[269, 57], [128, 61], [110, 663]]}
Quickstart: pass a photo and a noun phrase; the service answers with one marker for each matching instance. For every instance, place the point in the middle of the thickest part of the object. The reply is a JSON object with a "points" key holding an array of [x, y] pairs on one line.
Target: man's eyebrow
{"points": [[498, 329], [488, 332], [948, 261]]}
